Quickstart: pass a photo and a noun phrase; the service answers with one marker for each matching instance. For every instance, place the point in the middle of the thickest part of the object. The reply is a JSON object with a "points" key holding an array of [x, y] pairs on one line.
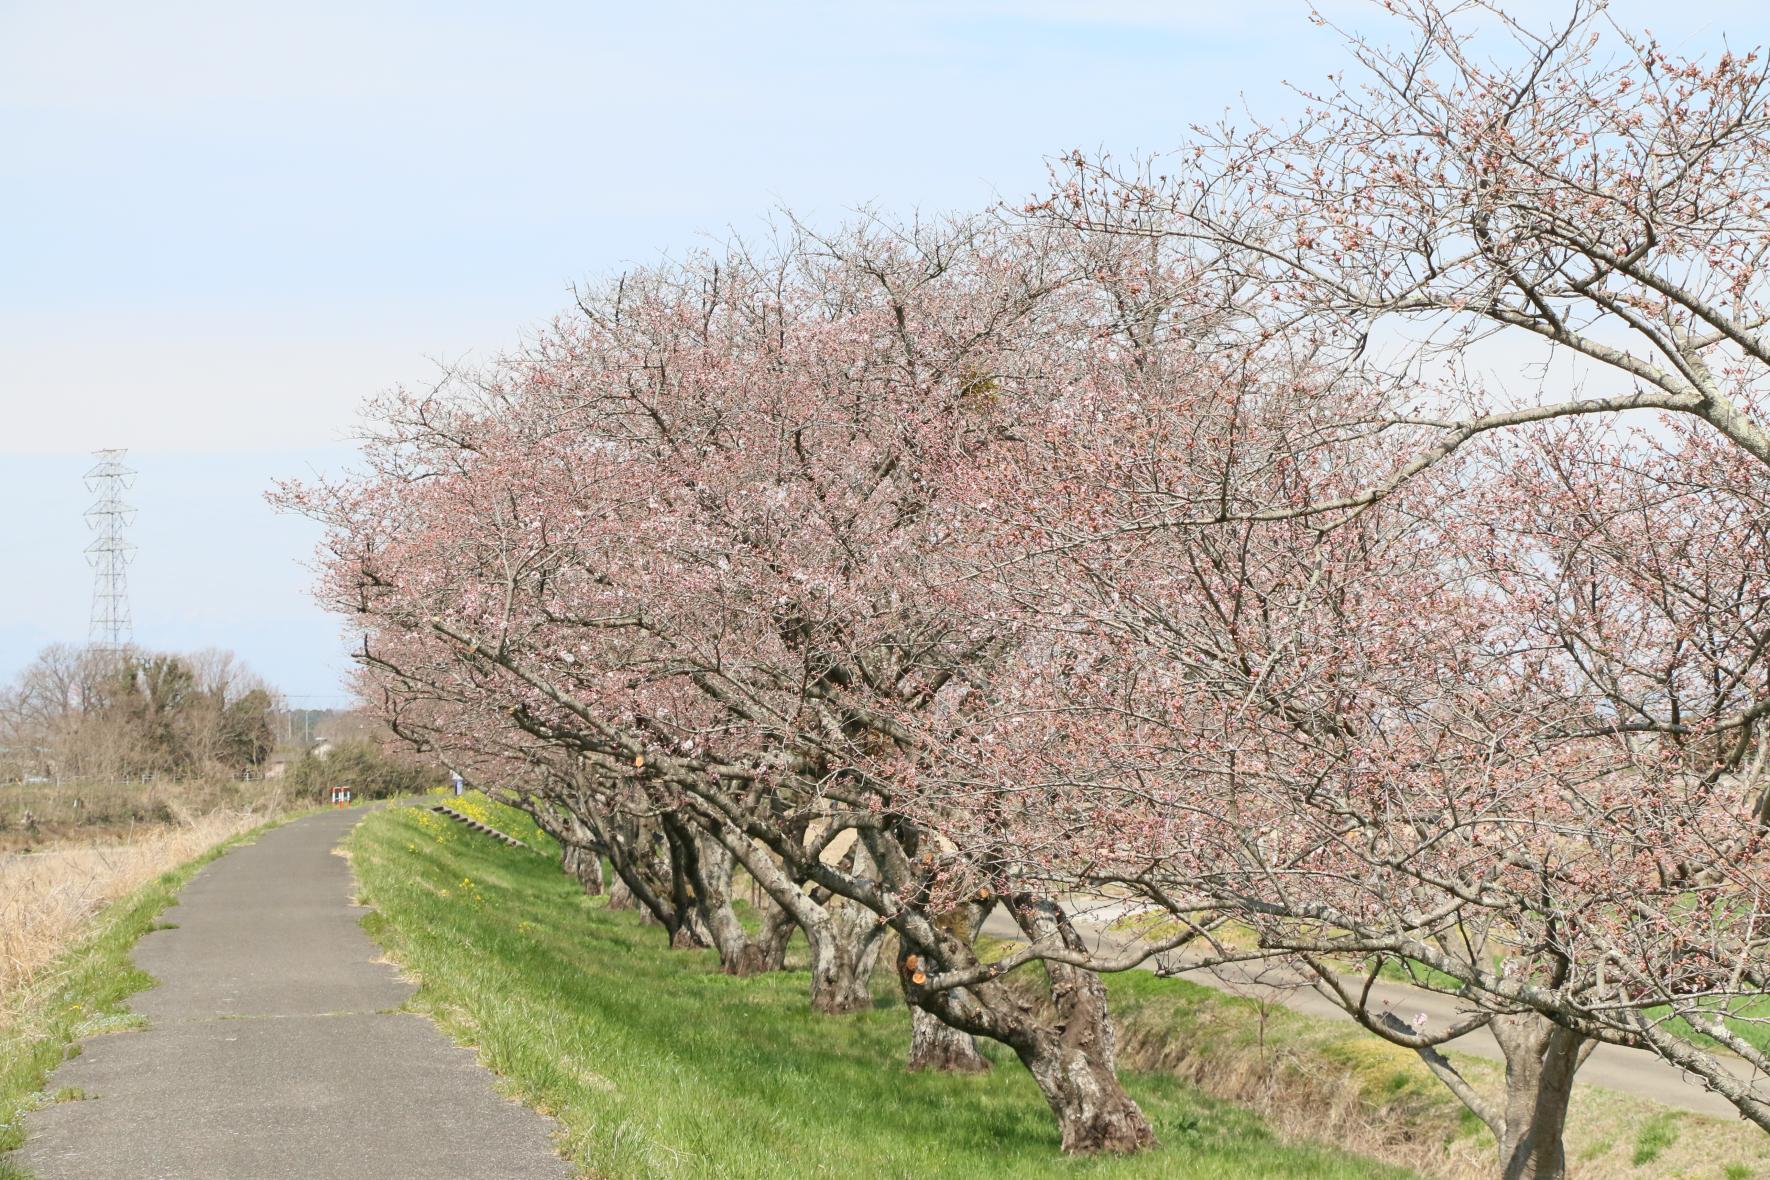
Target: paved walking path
{"points": [[274, 1049], [1611, 1067]]}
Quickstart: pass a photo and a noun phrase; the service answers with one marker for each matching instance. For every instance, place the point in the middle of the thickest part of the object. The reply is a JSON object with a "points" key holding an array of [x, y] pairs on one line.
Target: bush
{"points": [[364, 767]]}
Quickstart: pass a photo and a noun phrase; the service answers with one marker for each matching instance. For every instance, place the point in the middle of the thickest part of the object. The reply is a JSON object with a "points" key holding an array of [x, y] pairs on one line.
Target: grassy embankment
{"points": [[659, 1066], [81, 992]]}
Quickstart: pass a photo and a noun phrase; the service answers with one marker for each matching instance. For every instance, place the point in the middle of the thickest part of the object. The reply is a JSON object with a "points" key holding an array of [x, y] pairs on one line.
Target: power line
{"points": [[110, 552]]}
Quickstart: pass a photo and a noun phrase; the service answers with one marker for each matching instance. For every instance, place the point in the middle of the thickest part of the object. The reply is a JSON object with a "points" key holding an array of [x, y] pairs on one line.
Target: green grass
{"points": [[1657, 1134], [659, 1066], [1748, 1017], [78, 995]]}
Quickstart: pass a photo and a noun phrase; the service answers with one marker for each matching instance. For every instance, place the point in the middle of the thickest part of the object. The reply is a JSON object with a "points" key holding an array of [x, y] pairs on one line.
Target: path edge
{"points": [[51, 1021]]}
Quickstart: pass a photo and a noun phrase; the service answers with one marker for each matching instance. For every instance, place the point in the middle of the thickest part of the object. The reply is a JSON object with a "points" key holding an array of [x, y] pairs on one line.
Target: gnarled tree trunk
{"points": [[708, 866], [844, 947], [935, 1044], [843, 938], [1094, 1114], [648, 865], [1067, 1044], [777, 932], [1075, 1062], [1541, 1060]]}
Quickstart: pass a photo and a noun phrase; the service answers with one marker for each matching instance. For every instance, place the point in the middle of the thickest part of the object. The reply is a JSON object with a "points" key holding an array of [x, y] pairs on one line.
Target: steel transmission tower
{"points": [[110, 552]]}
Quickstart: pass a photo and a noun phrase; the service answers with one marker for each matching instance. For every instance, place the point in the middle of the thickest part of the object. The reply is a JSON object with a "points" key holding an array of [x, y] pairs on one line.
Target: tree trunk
{"points": [[648, 865], [631, 854], [844, 948], [937, 1045], [1070, 1057], [843, 937], [591, 873], [1066, 1043], [1094, 1114], [1541, 1059], [586, 866], [708, 866], [579, 840], [777, 932], [1075, 1063]]}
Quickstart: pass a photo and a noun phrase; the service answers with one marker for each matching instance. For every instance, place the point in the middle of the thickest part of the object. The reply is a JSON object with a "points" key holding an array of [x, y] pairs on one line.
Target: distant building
{"points": [[277, 765]]}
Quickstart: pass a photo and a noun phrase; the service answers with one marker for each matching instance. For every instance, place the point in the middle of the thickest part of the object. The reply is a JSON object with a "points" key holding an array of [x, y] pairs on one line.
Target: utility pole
{"points": [[110, 552]]}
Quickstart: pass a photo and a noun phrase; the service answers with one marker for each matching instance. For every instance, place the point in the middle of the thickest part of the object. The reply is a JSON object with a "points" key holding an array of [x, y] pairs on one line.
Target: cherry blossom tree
{"points": [[1494, 729], [1161, 547], [684, 541]]}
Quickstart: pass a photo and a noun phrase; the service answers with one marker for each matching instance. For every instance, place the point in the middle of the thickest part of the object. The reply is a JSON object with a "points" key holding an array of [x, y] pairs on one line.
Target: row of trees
{"points": [[82, 714], [1156, 541]]}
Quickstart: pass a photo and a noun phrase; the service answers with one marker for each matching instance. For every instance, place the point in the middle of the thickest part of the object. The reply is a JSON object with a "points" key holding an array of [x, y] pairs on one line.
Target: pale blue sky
{"points": [[223, 223]]}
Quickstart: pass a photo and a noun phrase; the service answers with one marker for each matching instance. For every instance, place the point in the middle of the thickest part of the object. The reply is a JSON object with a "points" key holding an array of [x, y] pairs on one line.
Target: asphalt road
{"points": [[1610, 1067], [275, 1050]]}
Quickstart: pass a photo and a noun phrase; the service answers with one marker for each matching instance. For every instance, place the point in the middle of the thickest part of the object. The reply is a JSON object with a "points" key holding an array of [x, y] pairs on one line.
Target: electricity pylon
{"points": [[110, 551]]}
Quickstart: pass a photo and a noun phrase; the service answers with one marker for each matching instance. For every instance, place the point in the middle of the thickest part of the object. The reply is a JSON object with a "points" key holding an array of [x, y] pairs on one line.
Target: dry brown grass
{"points": [[47, 897], [35, 816]]}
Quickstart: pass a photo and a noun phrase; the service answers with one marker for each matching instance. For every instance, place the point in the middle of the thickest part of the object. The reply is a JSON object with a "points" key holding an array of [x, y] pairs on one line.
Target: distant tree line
{"points": [[79, 713], [363, 765]]}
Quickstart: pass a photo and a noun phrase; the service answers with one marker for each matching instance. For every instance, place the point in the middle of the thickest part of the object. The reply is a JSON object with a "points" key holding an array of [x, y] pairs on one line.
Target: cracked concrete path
{"points": [[275, 1049]]}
